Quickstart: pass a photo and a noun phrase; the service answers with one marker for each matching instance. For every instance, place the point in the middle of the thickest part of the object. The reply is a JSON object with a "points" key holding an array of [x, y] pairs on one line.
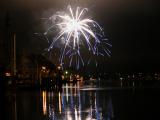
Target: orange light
{"points": [[8, 74]]}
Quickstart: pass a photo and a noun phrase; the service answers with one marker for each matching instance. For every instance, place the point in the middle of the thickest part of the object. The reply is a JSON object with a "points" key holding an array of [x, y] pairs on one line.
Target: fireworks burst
{"points": [[76, 31]]}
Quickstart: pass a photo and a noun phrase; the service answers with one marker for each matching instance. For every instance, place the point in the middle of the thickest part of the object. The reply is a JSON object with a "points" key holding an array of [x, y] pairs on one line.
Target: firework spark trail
{"points": [[76, 31]]}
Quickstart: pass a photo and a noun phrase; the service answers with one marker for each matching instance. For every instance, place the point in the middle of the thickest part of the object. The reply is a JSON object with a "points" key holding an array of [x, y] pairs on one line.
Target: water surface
{"points": [[82, 102]]}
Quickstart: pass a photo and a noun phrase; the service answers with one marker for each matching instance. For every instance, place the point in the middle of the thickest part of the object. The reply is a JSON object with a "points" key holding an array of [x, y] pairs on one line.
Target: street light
{"points": [[59, 67], [43, 68], [66, 72]]}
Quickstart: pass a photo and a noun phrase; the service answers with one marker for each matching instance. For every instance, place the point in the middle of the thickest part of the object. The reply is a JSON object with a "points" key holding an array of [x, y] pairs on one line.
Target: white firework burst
{"points": [[74, 31]]}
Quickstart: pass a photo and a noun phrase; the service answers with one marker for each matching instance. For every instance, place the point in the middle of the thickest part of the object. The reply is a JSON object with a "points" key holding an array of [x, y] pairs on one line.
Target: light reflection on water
{"points": [[72, 103], [44, 103]]}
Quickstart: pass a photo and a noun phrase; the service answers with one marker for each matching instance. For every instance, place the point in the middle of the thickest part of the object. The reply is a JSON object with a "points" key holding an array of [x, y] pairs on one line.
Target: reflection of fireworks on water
{"points": [[76, 33]]}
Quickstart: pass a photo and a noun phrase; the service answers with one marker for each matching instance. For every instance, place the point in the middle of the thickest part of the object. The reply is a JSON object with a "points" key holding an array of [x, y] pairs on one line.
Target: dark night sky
{"points": [[131, 25]]}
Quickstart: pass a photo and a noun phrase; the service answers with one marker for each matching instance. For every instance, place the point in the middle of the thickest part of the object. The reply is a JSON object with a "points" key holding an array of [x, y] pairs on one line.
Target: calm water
{"points": [[82, 102]]}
